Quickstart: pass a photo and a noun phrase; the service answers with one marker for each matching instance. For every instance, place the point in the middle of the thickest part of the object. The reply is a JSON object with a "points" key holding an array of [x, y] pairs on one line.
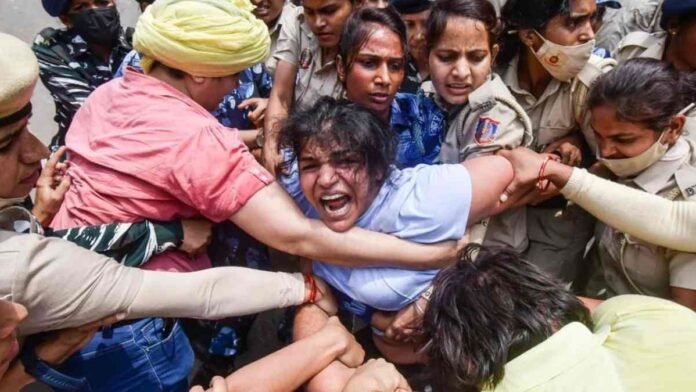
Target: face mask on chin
{"points": [[98, 25], [628, 167], [563, 62]]}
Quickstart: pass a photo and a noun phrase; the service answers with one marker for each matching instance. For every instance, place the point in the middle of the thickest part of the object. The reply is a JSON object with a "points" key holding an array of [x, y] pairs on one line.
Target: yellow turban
{"points": [[209, 38], [20, 71]]}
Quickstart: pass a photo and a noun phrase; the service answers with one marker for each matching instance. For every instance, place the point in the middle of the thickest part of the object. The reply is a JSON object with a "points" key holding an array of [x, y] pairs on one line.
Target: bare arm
{"points": [[489, 178], [299, 361], [279, 105], [274, 219]]}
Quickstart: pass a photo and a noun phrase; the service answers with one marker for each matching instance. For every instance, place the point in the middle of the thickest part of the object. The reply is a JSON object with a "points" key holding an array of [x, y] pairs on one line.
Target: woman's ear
{"points": [[494, 52], [529, 38], [674, 130], [340, 69]]}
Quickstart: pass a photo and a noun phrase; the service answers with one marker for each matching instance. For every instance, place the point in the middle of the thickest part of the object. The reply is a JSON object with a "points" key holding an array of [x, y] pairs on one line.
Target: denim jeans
{"points": [[135, 357]]}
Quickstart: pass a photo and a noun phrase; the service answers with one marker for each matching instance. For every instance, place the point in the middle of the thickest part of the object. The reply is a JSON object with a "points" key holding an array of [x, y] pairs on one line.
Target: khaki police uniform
{"points": [[316, 76], [642, 44], [286, 16], [491, 120], [558, 234], [631, 266], [634, 15]]}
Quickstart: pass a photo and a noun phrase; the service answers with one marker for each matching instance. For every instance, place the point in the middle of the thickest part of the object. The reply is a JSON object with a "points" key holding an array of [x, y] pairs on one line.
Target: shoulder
{"points": [[595, 67], [640, 39], [431, 202], [496, 106], [51, 36]]}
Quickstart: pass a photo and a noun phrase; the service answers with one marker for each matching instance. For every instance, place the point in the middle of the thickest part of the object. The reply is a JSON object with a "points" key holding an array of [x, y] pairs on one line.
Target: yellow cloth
{"points": [[640, 344], [20, 71], [209, 38]]}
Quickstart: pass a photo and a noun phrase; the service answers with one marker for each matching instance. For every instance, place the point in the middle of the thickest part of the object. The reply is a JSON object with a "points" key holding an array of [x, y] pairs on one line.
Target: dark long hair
{"points": [[481, 10], [342, 125], [487, 310], [644, 91], [525, 14]]}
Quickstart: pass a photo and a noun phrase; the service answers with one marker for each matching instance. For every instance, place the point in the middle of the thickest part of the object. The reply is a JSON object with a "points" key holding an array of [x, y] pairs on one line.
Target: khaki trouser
{"points": [[558, 239]]}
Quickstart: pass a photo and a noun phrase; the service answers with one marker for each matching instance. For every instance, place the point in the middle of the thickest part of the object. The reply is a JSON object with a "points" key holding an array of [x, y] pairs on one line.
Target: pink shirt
{"points": [[140, 149]]}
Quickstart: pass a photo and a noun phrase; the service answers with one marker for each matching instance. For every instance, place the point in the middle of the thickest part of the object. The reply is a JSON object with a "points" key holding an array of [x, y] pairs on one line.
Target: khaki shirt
{"points": [[560, 111], [634, 15], [634, 266], [298, 46], [286, 15], [490, 121], [642, 44]]}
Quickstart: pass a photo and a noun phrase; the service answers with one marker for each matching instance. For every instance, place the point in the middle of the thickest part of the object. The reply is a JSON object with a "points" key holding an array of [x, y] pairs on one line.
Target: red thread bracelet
{"points": [[542, 183], [309, 279]]}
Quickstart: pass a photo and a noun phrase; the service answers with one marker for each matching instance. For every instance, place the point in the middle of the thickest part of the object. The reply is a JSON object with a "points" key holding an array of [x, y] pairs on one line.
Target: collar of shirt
{"points": [[656, 48], [511, 79], [564, 350], [654, 178], [400, 118]]}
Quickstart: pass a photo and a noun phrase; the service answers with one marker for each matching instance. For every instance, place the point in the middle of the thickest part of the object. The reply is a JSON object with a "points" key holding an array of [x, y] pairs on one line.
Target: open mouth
{"points": [[261, 10], [336, 205], [459, 89]]}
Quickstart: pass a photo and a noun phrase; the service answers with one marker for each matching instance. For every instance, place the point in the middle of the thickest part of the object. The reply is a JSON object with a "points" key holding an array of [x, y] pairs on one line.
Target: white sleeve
{"points": [[671, 224]]}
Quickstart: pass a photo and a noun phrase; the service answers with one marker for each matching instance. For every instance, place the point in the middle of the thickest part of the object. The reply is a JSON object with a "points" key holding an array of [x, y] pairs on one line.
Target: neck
{"points": [[672, 55], [161, 74], [423, 66], [101, 51], [328, 54], [531, 74]]}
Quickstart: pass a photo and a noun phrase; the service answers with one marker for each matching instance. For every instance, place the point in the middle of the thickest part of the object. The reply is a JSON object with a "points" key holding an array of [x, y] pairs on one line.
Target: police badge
{"points": [[306, 58], [486, 130]]}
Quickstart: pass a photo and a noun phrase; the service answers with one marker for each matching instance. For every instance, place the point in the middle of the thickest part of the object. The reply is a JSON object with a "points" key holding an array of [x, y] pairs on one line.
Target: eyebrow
{"points": [[375, 56], [9, 135]]}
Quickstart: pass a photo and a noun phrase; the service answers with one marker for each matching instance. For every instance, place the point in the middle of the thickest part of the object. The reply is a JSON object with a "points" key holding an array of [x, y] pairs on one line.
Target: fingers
{"points": [[197, 388], [248, 102]]}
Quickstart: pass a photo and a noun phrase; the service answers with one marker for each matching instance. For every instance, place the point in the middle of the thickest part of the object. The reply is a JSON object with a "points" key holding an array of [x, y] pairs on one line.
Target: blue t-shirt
{"points": [[420, 126], [425, 204]]}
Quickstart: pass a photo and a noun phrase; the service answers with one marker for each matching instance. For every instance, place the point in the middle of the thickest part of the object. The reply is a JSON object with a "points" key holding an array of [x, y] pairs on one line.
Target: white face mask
{"points": [[564, 62], [627, 167]]}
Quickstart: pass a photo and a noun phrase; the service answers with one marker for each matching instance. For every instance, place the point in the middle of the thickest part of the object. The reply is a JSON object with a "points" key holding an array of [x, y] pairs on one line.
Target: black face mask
{"points": [[98, 25]]}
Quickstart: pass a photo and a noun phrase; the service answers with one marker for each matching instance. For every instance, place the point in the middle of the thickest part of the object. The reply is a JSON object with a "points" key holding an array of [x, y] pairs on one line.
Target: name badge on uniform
{"points": [[486, 130], [306, 58]]}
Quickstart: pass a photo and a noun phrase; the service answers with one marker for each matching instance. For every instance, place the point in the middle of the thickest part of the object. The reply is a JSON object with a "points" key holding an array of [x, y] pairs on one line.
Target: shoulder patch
{"points": [[686, 181], [306, 58], [486, 130]]}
